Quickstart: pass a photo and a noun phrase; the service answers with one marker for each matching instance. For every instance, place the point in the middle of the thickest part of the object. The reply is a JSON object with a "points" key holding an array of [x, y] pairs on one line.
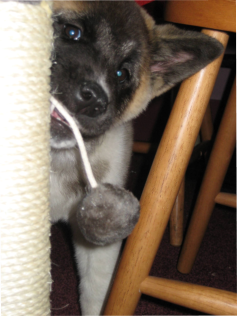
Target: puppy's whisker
{"points": [[55, 91]]}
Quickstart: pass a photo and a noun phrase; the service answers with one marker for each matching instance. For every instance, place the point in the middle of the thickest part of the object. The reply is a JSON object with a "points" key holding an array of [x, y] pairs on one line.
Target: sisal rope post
{"points": [[26, 41]]}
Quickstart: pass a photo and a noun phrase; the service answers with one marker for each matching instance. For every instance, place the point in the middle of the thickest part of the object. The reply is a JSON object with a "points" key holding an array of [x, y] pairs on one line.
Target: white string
{"points": [[79, 140]]}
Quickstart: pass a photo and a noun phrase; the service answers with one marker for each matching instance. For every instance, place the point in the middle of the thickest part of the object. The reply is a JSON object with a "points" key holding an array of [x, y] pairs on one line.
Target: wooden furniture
{"points": [[210, 189], [220, 15], [213, 14], [165, 178], [176, 216]]}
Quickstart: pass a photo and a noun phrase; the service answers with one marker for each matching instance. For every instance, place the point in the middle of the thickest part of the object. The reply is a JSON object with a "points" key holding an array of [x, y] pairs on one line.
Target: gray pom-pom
{"points": [[107, 214]]}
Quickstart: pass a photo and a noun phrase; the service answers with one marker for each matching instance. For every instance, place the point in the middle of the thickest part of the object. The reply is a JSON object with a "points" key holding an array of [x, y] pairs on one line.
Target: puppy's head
{"points": [[110, 60]]}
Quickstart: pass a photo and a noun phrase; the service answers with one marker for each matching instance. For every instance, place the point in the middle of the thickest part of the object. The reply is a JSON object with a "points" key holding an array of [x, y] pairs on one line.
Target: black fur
{"points": [[114, 35], [179, 53], [105, 33]]}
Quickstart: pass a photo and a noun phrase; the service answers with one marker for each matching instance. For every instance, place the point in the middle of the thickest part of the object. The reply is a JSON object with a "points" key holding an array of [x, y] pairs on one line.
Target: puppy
{"points": [[109, 61]]}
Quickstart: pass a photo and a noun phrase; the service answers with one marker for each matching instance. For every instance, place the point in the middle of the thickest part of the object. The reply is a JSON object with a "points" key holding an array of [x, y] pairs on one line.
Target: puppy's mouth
{"points": [[55, 114], [90, 109]]}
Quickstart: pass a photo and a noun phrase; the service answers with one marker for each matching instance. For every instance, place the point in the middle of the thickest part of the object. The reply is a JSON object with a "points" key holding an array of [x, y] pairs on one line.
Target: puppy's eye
{"points": [[122, 75], [72, 32]]}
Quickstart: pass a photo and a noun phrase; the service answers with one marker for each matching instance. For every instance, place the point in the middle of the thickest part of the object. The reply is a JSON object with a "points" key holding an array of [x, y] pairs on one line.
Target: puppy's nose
{"points": [[91, 99]]}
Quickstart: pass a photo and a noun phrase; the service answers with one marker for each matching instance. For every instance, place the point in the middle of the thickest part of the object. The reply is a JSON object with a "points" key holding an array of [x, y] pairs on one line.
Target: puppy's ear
{"points": [[177, 54]]}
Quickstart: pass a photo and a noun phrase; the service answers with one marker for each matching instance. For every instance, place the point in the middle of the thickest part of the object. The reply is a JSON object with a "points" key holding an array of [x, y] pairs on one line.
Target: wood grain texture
{"points": [[214, 14], [204, 299]]}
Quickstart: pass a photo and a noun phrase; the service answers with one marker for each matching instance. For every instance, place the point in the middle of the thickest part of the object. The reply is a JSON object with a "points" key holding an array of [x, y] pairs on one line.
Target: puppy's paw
{"points": [[107, 214]]}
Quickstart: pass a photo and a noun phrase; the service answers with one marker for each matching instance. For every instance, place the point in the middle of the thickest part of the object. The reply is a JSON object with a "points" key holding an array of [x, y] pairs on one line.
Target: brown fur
{"points": [[75, 6], [140, 99]]}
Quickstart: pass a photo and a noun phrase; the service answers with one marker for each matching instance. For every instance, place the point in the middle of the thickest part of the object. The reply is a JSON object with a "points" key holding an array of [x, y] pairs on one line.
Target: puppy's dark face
{"points": [[110, 60], [99, 56]]}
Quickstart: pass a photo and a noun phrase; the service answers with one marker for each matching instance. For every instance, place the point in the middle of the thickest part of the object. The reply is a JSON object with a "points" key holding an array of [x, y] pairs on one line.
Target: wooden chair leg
{"points": [[177, 214], [207, 125], [214, 176], [162, 186], [176, 218], [141, 147]]}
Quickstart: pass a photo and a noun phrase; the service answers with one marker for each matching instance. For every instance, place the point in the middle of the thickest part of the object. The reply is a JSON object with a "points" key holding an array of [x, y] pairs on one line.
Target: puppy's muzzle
{"points": [[91, 99]]}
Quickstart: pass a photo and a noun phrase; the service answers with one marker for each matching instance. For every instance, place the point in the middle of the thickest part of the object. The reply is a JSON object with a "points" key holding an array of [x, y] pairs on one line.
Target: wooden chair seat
{"points": [[212, 14]]}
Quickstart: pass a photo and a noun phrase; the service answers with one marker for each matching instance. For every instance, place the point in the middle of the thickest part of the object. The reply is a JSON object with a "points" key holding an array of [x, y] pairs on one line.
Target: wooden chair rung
{"points": [[205, 299], [226, 199], [141, 147]]}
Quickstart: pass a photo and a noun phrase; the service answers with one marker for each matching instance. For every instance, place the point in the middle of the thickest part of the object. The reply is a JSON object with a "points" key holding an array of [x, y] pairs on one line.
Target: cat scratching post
{"points": [[26, 40]]}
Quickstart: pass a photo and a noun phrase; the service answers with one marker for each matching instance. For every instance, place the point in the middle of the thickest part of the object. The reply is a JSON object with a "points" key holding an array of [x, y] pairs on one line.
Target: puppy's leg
{"points": [[96, 279], [96, 267], [96, 264]]}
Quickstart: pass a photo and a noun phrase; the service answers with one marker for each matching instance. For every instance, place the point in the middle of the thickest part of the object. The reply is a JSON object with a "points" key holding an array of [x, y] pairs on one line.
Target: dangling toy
{"points": [[107, 213]]}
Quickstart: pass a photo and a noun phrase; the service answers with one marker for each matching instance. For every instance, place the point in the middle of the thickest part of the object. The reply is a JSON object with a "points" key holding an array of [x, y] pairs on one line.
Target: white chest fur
{"points": [[109, 157]]}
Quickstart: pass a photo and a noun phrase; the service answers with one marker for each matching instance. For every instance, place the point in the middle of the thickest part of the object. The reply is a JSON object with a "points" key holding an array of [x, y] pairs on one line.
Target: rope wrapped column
{"points": [[26, 42]]}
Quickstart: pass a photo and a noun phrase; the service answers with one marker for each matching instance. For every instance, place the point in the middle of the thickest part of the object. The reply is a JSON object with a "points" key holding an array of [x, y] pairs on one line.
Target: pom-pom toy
{"points": [[107, 213]]}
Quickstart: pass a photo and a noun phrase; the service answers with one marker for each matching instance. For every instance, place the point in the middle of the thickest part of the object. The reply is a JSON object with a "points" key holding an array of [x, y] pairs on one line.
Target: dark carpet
{"points": [[214, 267]]}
